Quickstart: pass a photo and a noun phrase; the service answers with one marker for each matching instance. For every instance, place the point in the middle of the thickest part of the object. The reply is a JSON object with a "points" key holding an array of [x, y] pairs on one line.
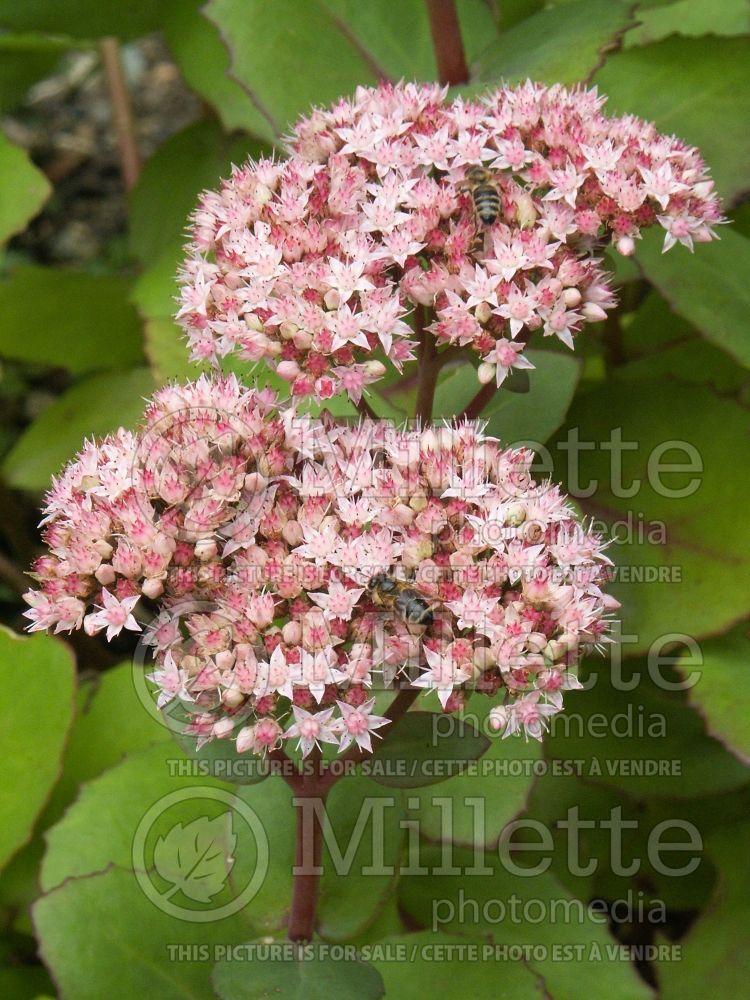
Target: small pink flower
{"points": [[340, 601], [311, 729], [114, 615], [443, 674], [357, 723]]}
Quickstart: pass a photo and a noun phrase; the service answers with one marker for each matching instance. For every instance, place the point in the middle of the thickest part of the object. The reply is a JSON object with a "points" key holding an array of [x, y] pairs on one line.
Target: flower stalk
{"points": [[447, 42]]}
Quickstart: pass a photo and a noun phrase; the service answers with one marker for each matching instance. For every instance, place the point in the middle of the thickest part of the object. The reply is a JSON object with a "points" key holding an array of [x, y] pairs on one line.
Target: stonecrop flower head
{"points": [[284, 569], [317, 262]]}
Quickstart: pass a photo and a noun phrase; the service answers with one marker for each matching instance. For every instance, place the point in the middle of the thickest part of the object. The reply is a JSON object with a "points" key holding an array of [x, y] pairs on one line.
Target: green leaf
{"points": [[473, 807], [662, 344], [715, 694], [312, 978], [30, 189], [81, 18], [562, 44], [618, 737], [415, 753], [563, 803], [707, 288], [690, 18], [25, 982], [359, 873], [166, 193], [316, 51], [93, 836], [707, 106], [94, 407], [676, 530], [472, 903], [713, 958], [431, 963], [100, 936], [203, 59], [167, 351], [37, 709], [24, 59], [196, 858], [82, 322], [536, 415], [90, 836], [95, 742], [171, 181]]}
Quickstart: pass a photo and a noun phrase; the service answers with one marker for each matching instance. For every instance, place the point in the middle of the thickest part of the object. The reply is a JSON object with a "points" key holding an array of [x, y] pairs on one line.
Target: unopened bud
{"points": [[486, 373], [105, 575], [515, 515], [222, 729], [375, 368], [483, 312], [626, 246], [292, 633], [593, 312], [233, 698], [288, 370], [205, 549], [152, 588], [526, 213], [302, 340]]}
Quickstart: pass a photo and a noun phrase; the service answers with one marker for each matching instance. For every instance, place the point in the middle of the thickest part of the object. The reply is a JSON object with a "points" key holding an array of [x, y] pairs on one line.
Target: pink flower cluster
{"points": [[320, 262], [243, 539]]}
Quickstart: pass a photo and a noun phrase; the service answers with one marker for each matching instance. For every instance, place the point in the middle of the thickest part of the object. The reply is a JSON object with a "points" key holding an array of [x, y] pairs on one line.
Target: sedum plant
{"points": [[301, 581]]}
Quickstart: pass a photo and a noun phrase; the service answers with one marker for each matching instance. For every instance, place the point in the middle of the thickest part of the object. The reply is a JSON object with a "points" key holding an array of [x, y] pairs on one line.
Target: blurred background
{"points": [[114, 117]]}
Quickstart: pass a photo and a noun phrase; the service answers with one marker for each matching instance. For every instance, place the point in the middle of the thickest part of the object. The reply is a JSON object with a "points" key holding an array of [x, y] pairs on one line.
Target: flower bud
{"points": [[222, 729], [105, 574], [288, 330], [291, 633], [288, 370], [152, 588], [233, 698], [486, 373], [292, 533], [498, 717], [593, 312], [526, 212], [205, 549], [483, 312]]}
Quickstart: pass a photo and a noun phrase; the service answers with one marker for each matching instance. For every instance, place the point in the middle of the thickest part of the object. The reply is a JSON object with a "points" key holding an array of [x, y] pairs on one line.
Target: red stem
{"points": [[365, 410], [308, 854], [315, 783], [446, 40], [429, 363], [478, 403]]}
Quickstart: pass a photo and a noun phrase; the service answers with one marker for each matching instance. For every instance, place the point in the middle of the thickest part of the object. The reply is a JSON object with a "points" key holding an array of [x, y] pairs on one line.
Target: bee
{"points": [[484, 194], [407, 602]]}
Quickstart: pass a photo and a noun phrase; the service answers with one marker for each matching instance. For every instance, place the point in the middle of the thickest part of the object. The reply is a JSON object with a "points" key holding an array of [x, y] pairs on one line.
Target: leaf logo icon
{"points": [[197, 859]]}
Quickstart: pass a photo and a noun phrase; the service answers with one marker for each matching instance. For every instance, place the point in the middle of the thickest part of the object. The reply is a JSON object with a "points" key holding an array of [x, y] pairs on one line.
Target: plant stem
{"points": [[122, 111], [308, 852], [429, 363], [479, 402], [395, 711], [365, 410], [314, 783], [446, 40]]}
